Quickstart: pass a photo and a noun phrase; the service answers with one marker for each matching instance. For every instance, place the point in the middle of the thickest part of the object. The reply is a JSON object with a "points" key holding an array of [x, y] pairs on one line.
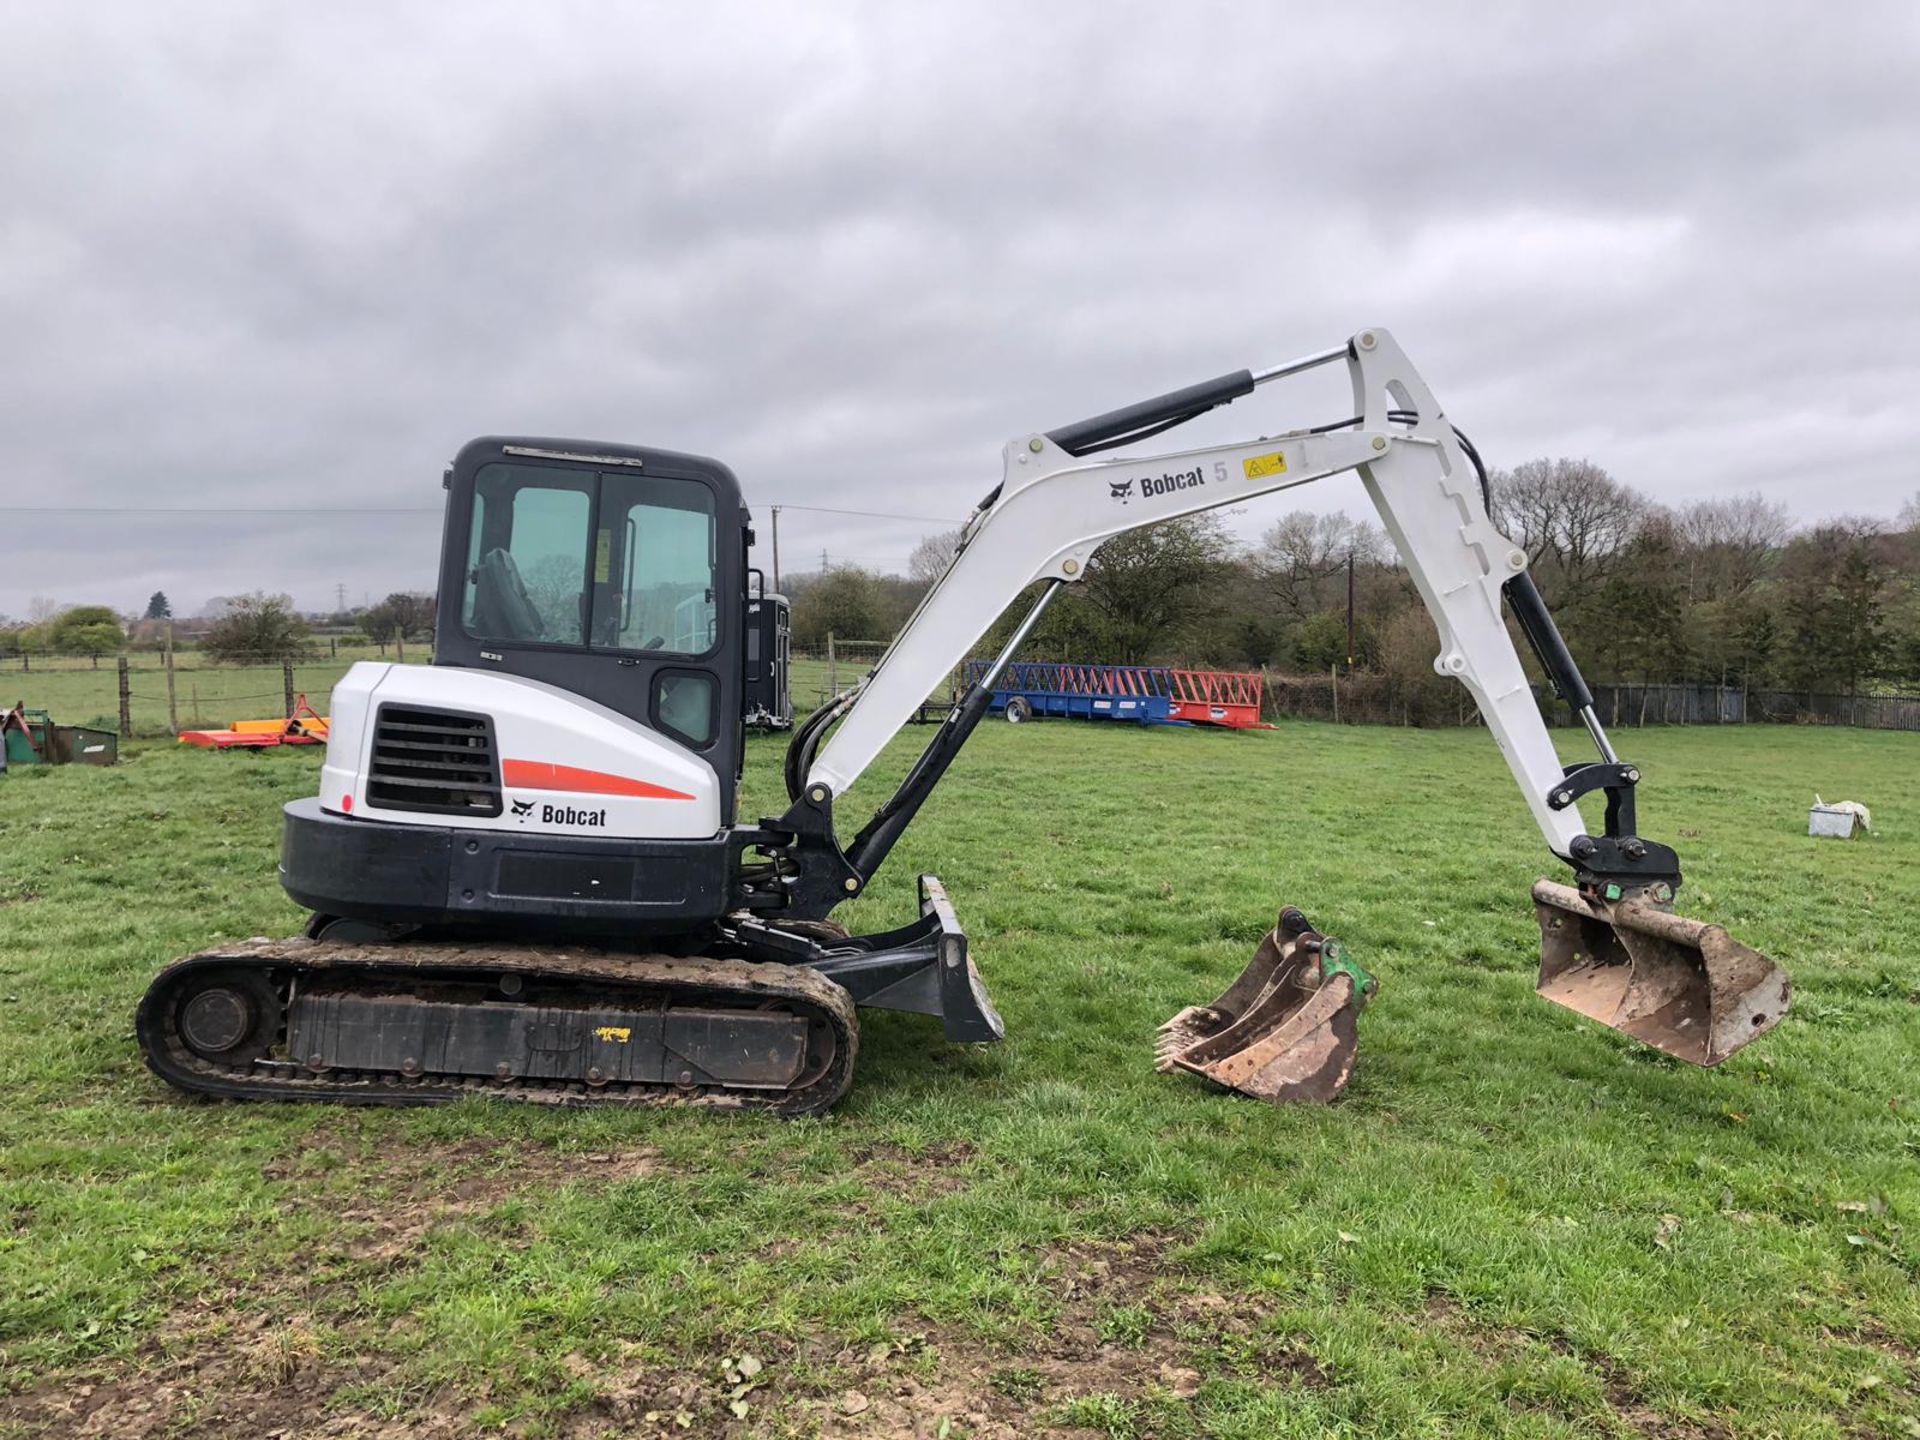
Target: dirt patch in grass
{"points": [[895, 1170], [468, 1171], [260, 1378], [1501, 1344], [389, 1206], [253, 1360], [1129, 1334], [1624, 1396], [1870, 1332]]}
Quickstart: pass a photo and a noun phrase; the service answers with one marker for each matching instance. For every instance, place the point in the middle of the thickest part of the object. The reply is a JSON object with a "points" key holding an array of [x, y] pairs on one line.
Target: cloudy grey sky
{"points": [[278, 262]]}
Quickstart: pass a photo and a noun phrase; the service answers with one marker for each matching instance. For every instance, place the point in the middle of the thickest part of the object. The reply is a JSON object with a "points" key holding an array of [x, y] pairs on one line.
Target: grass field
{"points": [[1515, 1224]]}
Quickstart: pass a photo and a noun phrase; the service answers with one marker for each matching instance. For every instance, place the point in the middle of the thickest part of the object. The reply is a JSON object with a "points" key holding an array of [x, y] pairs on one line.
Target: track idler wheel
{"points": [[231, 1017], [1684, 987], [1287, 1030]]}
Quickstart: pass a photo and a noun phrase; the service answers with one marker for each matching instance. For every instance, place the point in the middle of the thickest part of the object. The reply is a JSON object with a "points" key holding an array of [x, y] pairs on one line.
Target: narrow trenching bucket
{"points": [[1286, 1030], [1682, 986]]}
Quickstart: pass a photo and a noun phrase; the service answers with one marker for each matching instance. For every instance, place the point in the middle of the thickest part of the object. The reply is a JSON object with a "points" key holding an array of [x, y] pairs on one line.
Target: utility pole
{"points": [[823, 562], [776, 549], [340, 598], [1349, 612]]}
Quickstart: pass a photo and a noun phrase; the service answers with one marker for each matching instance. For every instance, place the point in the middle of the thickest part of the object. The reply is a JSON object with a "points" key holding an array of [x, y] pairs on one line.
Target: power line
{"points": [[870, 514], [372, 510], [209, 510]]}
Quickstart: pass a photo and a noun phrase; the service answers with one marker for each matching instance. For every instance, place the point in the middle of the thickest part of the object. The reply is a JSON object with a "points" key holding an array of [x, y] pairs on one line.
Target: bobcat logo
{"points": [[1121, 490], [522, 809]]}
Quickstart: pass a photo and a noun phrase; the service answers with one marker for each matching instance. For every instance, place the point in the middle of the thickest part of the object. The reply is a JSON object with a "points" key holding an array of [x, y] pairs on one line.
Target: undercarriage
{"points": [[764, 1021]]}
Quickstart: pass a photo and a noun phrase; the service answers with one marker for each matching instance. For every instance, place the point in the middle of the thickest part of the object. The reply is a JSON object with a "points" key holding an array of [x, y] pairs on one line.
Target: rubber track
{"points": [[698, 982]]}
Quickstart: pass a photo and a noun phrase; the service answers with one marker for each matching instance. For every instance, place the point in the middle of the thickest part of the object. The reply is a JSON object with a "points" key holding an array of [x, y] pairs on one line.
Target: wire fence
{"points": [[1376, 699], [153, 694], [816, 673]]}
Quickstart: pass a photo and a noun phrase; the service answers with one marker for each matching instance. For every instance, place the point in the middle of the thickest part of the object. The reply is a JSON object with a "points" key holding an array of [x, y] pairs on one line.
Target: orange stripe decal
{"points": [[538, 775]]}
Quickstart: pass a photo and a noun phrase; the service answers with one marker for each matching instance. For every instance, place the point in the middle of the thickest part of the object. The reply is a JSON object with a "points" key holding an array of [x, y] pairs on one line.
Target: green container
{"points": [[79, 745], [20, 749], [42, 742], [32, 745]]}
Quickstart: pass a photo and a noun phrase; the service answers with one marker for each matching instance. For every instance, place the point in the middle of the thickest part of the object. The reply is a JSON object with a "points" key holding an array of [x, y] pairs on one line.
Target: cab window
{"points": [[527, 571], [570, 557], [654, 565]]}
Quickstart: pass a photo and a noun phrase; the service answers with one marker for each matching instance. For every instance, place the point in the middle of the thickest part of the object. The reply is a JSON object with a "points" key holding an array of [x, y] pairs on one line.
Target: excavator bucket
{"points": [[1681, 986], [1286, 1030]]}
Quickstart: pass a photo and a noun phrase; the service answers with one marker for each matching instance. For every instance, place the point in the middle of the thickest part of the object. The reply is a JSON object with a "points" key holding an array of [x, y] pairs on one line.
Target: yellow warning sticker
{"points": [[603, 558], [1258, 467], [620, 1034]]}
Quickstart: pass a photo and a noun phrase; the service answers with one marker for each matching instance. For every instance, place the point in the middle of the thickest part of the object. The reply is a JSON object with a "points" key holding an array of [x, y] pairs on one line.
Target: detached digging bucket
{"points": [[1286, 1030], [1681, 986]]}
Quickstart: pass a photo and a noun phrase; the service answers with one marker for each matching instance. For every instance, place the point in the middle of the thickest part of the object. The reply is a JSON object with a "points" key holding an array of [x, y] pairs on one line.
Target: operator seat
{"points": [[501, 607]]}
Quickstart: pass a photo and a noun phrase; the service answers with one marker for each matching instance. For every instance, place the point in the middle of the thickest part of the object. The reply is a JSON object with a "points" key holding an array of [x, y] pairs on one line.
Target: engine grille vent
{"points": [[441, 761]]}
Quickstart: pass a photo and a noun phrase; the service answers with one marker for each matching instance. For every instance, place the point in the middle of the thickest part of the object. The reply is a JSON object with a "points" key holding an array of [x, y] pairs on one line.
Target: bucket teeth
{"points": [[1684, 987], [1285, 1030]]}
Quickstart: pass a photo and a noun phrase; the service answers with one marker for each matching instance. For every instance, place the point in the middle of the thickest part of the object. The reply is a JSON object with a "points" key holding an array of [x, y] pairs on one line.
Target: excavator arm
{"points": [[1054, 508], [1611, 948]]}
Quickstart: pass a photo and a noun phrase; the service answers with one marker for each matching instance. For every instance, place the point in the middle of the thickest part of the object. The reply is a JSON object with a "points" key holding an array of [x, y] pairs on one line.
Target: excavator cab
{"points": [[614, 572]]}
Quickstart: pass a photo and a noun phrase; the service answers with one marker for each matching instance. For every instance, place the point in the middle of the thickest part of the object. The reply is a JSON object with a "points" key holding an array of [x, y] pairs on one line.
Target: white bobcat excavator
{"points": [[527, 877]]}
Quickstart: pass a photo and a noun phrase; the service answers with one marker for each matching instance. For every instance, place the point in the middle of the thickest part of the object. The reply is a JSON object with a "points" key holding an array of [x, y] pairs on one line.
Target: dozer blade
{"points": [[1286, 1029], [1682, 986]]}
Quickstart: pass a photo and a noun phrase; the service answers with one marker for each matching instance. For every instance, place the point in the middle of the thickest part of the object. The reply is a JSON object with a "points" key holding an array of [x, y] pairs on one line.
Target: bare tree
{"points": [[1731, 543], [1571, 517], [401, 617], [554, 584], [414, 614], [1910, 513], [1303, 551], [932, 556]]}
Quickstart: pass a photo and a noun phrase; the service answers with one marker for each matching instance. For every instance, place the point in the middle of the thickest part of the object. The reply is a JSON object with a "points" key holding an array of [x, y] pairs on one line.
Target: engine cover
{"points": [[412, 744]]}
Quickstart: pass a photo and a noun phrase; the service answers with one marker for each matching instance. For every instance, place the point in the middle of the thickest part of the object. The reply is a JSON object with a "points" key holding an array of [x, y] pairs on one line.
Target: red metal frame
{"points": [[1230, 698], [306, 726]]}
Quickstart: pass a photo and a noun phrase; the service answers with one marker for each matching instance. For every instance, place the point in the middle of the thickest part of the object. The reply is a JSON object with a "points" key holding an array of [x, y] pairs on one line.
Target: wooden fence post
{"points": [[1333, 686], [126, 702], [286, 675], [833, 669], [173, 699]]}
